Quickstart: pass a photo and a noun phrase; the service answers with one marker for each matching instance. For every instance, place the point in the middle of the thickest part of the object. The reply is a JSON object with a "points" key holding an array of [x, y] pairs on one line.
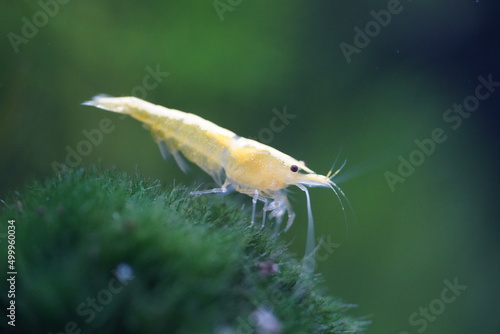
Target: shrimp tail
{"points": [[121, 105]]}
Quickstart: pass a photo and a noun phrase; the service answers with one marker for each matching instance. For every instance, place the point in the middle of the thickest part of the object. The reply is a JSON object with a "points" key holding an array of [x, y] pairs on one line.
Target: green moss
{"points": [[196, 265]]}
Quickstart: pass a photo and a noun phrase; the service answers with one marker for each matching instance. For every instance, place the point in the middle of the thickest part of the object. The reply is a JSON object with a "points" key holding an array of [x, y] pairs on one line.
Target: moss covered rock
{"points": [[104, 252]]}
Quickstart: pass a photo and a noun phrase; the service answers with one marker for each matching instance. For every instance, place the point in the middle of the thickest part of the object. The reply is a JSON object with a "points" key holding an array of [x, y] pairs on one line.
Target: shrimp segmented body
{"points": [[246, 165]]}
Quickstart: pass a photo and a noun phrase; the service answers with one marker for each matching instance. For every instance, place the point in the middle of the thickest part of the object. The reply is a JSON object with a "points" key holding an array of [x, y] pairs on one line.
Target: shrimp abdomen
{"points": [[200, 141]]}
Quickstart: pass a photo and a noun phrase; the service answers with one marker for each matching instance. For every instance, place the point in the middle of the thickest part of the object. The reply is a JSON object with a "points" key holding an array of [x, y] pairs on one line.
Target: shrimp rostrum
{"points": [[234, 162]]}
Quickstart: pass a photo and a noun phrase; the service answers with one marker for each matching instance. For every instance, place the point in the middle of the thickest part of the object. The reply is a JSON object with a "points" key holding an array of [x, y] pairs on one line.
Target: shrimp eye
{"points": [[294, 168]]}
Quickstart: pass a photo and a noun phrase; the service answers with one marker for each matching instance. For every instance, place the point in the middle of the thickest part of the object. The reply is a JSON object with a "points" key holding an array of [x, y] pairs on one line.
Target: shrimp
{"points": [[234, 162]]}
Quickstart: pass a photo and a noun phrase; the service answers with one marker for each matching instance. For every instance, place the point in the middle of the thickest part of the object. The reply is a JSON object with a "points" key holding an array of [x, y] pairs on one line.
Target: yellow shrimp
{"points": [[245, 165]]}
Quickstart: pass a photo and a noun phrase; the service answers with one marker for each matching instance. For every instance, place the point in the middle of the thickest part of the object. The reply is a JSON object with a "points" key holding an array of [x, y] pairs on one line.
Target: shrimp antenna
{"points": [[339, 192], [331, 174], [334, 163], [310, 224]]}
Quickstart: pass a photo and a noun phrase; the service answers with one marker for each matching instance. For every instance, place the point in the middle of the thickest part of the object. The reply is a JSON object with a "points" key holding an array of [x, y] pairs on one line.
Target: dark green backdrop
{"points": [[234, 62]]}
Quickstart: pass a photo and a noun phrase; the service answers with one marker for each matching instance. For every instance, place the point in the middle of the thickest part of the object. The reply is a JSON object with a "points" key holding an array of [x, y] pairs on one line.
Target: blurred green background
{"points": [[236, 61]]}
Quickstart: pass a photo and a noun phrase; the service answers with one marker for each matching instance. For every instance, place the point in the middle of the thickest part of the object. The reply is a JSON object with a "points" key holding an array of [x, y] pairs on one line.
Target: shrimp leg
{"points": [[221, 190], [256, 197]]}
